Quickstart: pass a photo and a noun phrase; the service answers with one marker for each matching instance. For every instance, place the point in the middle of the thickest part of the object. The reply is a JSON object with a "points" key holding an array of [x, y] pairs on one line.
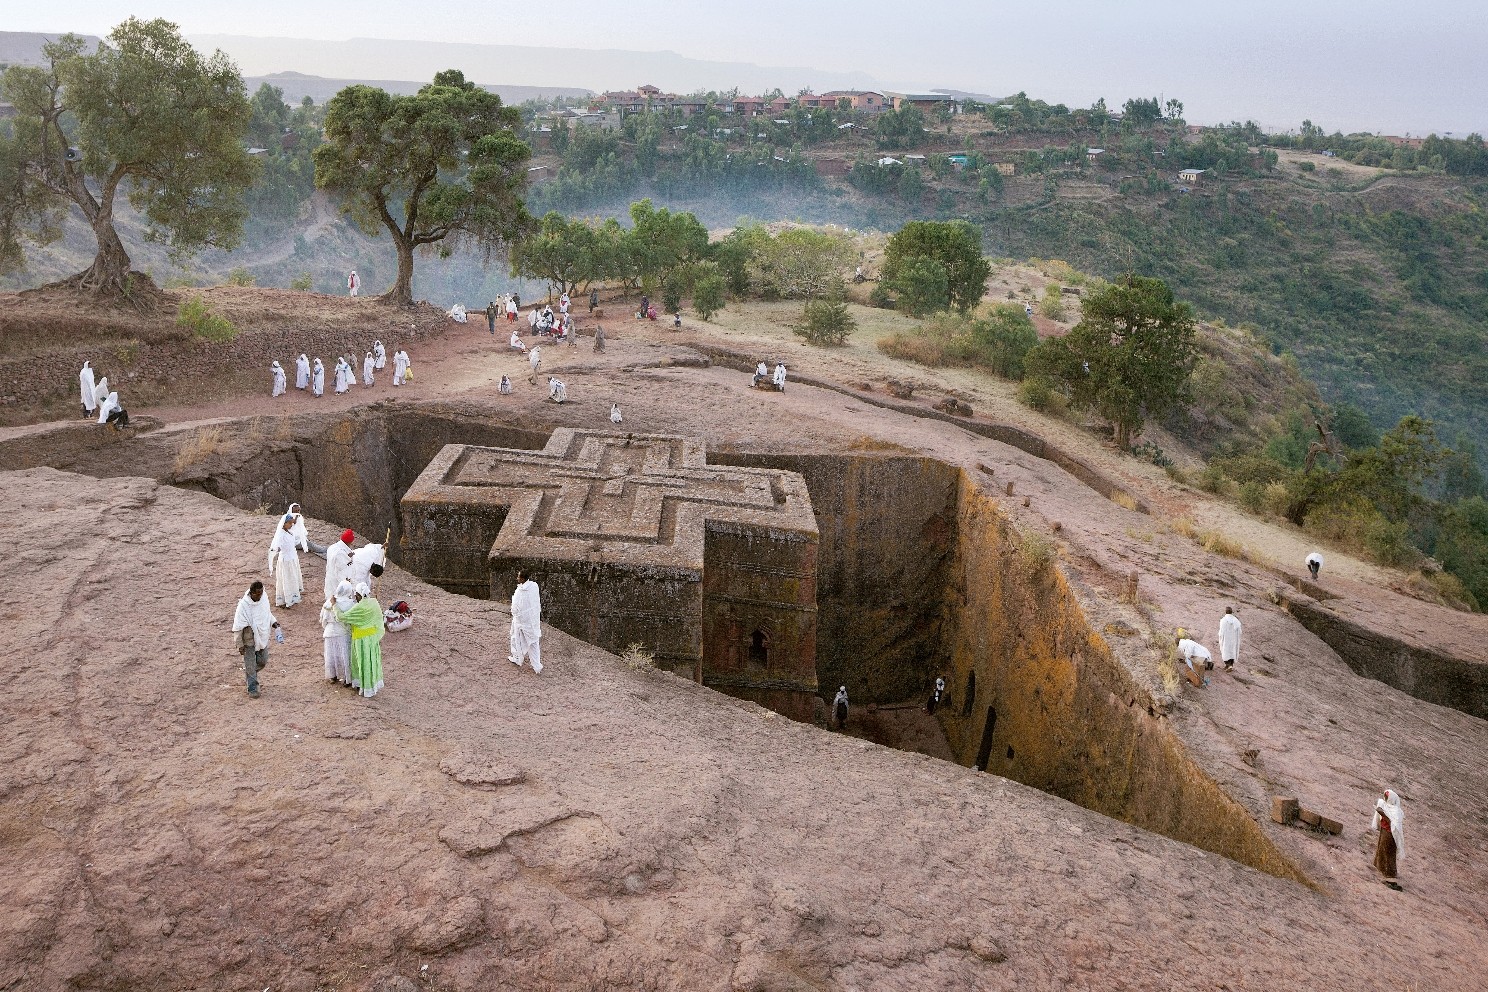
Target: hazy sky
{"points": [[1352, 64]]}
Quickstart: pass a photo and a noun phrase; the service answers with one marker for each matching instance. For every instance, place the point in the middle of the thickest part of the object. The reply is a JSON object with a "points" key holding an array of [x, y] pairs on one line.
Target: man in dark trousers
{"points": [[593, 299], [491, 317]]}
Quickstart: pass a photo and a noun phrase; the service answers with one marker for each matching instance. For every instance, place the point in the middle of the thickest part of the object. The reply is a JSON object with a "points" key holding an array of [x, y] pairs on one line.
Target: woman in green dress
{"points": [[366, 625]]}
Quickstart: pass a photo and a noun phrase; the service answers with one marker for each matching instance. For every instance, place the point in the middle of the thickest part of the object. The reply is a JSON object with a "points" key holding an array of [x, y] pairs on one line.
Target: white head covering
{"points": [[344, 594], [1390, 806], [108, 406], [362, 589]]}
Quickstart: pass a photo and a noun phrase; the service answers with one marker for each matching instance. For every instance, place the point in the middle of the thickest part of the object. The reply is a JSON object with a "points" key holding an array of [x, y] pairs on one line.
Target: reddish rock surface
{"points": [[603, 827]]}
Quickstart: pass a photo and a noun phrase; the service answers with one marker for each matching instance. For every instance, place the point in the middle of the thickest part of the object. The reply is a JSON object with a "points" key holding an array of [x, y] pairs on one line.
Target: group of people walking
{"points": [[101, 401], [311, 375]]}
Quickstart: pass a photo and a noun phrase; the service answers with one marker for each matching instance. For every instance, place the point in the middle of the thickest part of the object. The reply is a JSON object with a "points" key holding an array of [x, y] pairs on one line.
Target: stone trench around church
{"points": [[918, 574]]}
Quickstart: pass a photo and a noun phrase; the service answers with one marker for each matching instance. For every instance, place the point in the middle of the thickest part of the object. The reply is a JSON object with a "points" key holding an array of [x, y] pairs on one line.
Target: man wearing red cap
{"points": [[338, 562]]}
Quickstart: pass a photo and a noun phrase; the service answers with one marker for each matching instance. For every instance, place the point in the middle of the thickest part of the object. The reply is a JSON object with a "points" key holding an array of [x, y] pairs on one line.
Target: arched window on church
{"points": [[759, 648]]}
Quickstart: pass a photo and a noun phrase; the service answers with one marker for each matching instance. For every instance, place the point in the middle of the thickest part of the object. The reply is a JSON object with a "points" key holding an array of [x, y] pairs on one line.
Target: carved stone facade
{"points": [[635, 539]]}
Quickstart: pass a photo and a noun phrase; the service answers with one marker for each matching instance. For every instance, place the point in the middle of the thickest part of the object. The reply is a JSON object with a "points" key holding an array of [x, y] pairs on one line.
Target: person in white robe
{"points": [[615, 416], [296, 521], [511, 309], [317, 380], [281, 382], [109, 405], [101, 391], [1194, 656], [1314, 560], [302, 372], [368, 364], [254, 625], [343, 376], [353, 283], [505, 386], [526, 624], [351, 367], [761, 373], [532, 318], [563, 303], [400, 366], [335, 635], [338, 562], [534, 359], [284, 566], [379, 355], [87, 386], [557, 391], [1229, 639], [779, 376], [362, 561], [516, 341]]}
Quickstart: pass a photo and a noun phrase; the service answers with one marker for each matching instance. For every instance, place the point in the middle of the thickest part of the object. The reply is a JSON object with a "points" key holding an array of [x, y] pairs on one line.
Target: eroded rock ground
{"points": [[478, 827]]}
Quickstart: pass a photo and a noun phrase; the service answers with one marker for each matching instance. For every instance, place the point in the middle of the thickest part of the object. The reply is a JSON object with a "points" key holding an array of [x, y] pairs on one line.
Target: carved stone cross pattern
{"points": [[635, 539]]}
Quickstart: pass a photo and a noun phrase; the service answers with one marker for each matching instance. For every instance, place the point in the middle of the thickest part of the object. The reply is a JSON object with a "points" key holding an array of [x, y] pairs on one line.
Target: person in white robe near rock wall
{"points": [[368, 364], [317, 382], [338, 562], [284, 566], [1229, 639], [400, 366], [379, 354], [281, 381], [302, 372], [526, 623], [87, 386], [336, 636]]}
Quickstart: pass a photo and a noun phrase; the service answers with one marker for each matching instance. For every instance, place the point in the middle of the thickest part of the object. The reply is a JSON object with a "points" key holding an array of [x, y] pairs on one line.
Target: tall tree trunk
{"points": [[402, 292], [109, 273]]}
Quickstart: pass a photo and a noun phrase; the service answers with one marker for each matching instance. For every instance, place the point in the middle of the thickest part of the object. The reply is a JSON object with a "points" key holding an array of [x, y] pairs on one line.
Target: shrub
{"points": [[1040, 394], [1277, 498], [1307, 166], [671, 297], [240, 277], [1052, 305], [1212, 479], [825, 322], [1389, 543], [1253, 496], [196, 315], [879, 296], [708, 296], [915, 346], [1000, 342], [302, 283]]}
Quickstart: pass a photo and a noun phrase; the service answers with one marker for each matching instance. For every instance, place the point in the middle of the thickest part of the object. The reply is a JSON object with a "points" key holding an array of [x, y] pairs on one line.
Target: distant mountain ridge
{"points": [[24, 47], [297, 85], [541, 67]]}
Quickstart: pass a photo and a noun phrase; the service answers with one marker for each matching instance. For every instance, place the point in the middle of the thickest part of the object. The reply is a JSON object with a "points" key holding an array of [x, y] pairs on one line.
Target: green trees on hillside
{"points": [[444, 164], [1129, 357], [146, 116], [955, 247]]}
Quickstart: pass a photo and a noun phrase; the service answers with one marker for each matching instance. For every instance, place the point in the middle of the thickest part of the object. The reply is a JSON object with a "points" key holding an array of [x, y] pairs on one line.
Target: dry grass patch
{"points": [[635, 656], [202, 445]]}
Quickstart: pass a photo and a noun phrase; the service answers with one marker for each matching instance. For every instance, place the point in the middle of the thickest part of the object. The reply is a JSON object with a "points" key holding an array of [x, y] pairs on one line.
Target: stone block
{"points": [[1284, 810], [1332, 826], [1310, 818]]}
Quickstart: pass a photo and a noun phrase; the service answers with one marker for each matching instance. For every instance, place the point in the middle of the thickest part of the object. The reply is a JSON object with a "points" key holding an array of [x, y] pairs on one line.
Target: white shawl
{"points": [[108, 406], [87, 385], [1390, 806], [257, 616], [526, 610]]}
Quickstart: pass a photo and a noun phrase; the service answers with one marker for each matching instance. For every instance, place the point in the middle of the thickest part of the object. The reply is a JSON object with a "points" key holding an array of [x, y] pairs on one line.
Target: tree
{"points": [[1129, 357], [149, 117], [662, 242], [956, 245], [442, 164], [1003, 340], [826, 322], [708, 295], [921, 286], [560, 251], [800, 263]]}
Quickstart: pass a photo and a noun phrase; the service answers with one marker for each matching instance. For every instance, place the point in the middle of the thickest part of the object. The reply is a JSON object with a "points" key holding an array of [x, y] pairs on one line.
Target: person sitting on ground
{"points": [[1315, 564], [761, 373], [118, 417], [1191, 651], [650, 313], [505, 387], [557, 392], [516, 342], [109, 407], [615, 415]]}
